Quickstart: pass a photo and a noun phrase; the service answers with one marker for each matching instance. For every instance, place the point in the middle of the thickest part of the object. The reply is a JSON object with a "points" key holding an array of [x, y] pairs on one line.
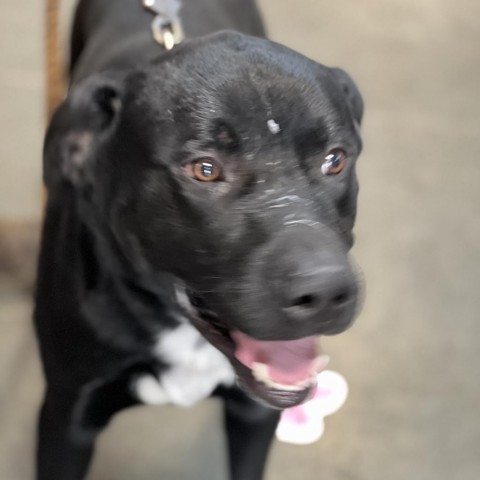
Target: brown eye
{"points": [[204, 170], [334, 162]]}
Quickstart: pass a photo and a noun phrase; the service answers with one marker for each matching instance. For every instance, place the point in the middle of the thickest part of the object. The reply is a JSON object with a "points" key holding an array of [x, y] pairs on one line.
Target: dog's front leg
{"points": [[60, 454], [250, 429]]}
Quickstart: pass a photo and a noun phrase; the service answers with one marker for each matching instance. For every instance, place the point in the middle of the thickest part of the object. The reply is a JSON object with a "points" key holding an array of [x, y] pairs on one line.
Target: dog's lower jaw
{"points": [[262, 388], [273, 398]]}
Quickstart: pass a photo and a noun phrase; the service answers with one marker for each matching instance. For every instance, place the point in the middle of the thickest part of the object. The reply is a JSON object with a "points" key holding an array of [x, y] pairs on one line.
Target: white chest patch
{"points": [[196, 369]]}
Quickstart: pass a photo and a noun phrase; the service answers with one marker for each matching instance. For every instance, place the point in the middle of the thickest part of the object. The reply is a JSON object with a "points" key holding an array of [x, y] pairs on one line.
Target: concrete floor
{"points": [[413, 358]]}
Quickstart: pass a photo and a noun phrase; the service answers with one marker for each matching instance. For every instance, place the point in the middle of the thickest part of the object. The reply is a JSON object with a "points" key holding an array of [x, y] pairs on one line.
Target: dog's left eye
{"points": [[334, 162], [204, 170]]}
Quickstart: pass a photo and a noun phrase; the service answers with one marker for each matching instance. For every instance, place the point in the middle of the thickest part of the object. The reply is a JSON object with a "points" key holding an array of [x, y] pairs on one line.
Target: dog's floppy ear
{"points": [[352, 93], [85, 118]]}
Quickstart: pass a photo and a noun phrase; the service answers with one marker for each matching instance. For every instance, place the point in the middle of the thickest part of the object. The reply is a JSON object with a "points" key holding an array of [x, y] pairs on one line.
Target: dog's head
{"points": [[230, 164]]}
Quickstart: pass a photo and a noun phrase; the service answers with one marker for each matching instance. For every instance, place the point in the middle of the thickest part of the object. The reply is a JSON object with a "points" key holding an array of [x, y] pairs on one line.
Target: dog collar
{"points": [[166, 27]]}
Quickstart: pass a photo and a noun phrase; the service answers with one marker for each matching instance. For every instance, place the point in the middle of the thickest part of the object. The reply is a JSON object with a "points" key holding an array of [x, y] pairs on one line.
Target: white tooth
{"points": [[304, 383], [290, 388], [261, 374], [280, 386], [320, 364]]}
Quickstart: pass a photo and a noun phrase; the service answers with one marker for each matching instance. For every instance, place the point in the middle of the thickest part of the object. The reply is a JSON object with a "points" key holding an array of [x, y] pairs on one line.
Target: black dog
{"points": [[211, 189]]}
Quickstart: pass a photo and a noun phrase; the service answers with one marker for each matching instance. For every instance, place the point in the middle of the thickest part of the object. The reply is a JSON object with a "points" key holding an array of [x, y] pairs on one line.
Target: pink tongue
{"points": [[289, 362]]}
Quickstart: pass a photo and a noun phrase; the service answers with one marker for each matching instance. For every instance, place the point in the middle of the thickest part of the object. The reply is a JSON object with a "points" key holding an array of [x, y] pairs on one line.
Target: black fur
{"points": [[124, 223]]}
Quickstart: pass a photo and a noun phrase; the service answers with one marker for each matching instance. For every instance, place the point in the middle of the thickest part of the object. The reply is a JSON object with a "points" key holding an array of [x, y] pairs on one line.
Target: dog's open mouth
{"points": [[280, 373]]}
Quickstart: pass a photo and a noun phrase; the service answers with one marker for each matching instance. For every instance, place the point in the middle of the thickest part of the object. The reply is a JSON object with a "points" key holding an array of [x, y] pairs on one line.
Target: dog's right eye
{"points": [[204, 170], [334, 162]]}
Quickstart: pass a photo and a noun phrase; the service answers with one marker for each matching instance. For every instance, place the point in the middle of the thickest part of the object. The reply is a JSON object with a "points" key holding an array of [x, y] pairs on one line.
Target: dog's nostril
{"points": [[340, 299], [304, 301]]}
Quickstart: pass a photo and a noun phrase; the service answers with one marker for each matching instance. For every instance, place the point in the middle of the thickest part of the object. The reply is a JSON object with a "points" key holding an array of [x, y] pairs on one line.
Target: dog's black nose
{"points": [[324, 293], [313, 281]]}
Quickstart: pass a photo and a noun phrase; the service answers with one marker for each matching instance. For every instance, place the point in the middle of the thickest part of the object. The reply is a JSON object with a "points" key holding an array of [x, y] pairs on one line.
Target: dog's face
{"points": [[229, 163]]}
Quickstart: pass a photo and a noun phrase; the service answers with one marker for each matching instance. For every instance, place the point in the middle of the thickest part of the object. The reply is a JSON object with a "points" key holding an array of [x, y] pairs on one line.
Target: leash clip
{"points": [[166, 30]]}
